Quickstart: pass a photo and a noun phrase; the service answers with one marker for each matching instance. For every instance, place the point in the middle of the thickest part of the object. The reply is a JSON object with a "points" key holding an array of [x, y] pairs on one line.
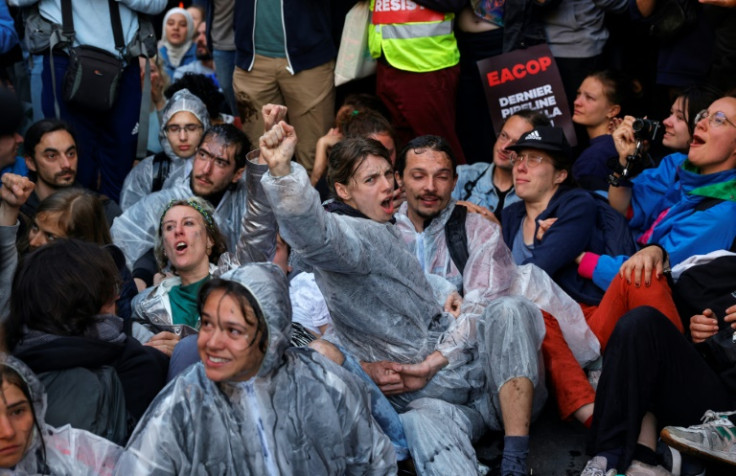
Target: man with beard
{"points": [[491, 185], [204, 64], [483, 271], [217, 176], [51, 156]]}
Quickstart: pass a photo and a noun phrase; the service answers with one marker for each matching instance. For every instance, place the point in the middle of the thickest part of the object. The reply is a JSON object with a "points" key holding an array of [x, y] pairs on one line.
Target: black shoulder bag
{"points": [[93, 76]]}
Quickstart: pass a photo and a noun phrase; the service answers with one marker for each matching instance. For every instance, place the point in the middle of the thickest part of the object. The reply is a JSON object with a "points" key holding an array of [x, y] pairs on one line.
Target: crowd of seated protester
{"points": [[219, 262]]}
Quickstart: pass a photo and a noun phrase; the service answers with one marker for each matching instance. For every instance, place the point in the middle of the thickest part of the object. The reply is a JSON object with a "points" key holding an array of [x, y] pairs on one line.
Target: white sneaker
{"points": [[638, 468], [597, 467], [715, 439]]}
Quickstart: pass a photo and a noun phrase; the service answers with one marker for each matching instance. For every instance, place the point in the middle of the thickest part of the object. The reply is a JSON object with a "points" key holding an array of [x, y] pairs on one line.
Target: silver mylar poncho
{"points": [[139, 181], [301, 414], [384, 308], [69, 451]]}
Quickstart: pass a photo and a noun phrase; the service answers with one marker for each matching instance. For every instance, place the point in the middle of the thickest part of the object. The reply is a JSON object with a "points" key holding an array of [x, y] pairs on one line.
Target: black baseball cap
{"points": [[12, 116], [550, 139]]}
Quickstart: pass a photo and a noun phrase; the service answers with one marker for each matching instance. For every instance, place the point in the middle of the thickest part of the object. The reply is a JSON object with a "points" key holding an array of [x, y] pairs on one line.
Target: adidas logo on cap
{"points": [[533, 135]]}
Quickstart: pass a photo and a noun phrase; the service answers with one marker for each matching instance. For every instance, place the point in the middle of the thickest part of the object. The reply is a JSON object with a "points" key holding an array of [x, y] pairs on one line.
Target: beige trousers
{"points": [[309, 95]]}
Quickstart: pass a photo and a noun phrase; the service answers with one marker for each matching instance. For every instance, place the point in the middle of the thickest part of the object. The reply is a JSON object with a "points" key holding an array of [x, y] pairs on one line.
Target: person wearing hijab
{"points": [[177, 48]]}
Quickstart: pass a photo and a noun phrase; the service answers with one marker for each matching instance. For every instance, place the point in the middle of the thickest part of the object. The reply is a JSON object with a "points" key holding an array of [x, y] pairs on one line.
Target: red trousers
{"points": [[567, 378], [421, 103]]}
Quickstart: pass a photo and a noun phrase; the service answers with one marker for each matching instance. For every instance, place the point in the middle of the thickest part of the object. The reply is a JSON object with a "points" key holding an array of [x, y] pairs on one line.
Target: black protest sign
{"points": [[526, 79]]}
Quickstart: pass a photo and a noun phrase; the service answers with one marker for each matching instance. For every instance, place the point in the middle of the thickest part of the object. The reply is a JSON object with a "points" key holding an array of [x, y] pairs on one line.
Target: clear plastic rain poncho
{"points": [[69, 451], [301, 414], [256, 242], [135, 230], [383, 308], [490, 272], [139, 181]]}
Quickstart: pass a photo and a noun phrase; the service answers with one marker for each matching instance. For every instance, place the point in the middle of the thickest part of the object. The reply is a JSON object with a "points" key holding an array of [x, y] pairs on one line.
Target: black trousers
{"points": [[649, 366]]}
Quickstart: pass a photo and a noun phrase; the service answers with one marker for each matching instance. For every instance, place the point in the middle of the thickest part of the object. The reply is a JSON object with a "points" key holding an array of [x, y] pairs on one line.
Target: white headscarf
{"points": [[176, 53]]}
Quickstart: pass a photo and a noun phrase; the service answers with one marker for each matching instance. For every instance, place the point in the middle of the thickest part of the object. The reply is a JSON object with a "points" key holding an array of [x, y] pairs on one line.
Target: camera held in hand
{"points": [[647, 129]]}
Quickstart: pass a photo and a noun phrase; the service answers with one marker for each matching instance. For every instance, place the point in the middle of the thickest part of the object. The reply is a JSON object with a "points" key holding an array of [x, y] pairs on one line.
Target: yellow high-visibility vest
{"points": [[411, 37]]}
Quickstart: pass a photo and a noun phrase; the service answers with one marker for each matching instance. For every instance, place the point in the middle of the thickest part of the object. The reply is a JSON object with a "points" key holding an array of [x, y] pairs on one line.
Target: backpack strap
{"points": [[67, 32], [117, 26], [706, 203], [161, 165], [457, 237]]}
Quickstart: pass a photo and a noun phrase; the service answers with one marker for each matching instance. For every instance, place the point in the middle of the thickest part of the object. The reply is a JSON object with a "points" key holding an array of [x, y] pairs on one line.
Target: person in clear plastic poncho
{"points": [[184, 120], [225, 186], [30, 447], [252, 406], [189, 243], [218, 175], [452, 373]]}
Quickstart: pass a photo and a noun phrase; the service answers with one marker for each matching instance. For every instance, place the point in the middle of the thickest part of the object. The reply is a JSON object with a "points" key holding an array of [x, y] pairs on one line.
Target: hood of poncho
{"points": [[37, 393], [269, 286], [182, 100]]}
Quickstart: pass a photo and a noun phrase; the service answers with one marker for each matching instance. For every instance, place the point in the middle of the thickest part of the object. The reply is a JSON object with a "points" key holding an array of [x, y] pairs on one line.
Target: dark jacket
{"points": [[570, 235], [523, 23], [308, 33], [590, 169], [141, 371]]}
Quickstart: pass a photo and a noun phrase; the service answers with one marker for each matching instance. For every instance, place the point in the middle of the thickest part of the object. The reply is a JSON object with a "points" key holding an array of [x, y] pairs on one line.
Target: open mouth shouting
{"points": [[388, 205], [697, 140]]}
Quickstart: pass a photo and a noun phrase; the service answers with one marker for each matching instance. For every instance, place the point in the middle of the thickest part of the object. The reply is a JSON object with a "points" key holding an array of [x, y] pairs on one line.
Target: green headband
{"points": [[208, 221]]}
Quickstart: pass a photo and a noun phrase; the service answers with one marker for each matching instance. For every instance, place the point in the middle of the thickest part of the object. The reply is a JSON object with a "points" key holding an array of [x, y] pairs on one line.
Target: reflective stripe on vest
{"points": [[415, 30], [417, 46]]}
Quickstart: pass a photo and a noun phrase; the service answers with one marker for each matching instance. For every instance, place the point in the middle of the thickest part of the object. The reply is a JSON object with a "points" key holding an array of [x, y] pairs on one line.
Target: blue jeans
{"points": [[381, 409], [224, 67], [36, 87]]}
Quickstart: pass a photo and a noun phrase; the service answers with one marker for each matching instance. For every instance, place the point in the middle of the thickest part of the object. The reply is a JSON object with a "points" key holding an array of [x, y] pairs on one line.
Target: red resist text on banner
{"points": [[402, 11]]}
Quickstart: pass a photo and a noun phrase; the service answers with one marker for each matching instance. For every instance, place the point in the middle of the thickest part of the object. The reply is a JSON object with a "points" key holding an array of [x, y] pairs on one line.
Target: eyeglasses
{"points": [[176, 128], [532, 161], [717, 119]]}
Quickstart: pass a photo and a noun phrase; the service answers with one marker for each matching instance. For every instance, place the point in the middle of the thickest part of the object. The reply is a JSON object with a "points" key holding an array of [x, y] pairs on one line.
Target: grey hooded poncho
{"points": [[301, 414], [384, 307], [139, 181], [69, 451]]}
